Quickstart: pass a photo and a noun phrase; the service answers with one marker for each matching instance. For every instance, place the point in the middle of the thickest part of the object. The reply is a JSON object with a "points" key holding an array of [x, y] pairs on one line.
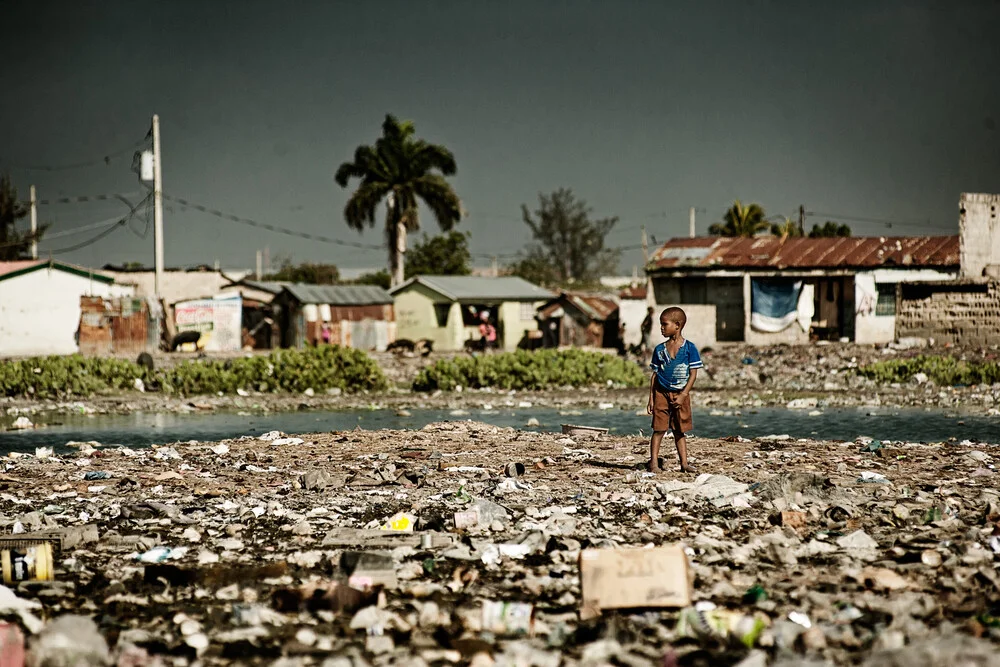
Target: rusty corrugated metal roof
{"points": [[595, 306], [774, 252], [633, 292]]}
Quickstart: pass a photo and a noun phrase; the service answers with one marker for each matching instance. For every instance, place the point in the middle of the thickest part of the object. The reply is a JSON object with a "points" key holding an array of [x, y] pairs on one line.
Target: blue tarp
{"points": [[774, 304]]}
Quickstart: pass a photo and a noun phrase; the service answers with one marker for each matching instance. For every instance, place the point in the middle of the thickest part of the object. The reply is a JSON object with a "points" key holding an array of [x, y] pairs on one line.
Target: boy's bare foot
{"points": [[653, 468], [687, 469]]}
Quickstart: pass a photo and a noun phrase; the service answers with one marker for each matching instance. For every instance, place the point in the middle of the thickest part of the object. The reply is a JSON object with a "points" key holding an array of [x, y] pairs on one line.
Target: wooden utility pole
{"points": [[802, 220], [645, 247]]}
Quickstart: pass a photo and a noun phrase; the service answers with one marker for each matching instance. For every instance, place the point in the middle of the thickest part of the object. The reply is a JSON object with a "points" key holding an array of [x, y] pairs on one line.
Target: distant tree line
{"points": [[751, 220]]}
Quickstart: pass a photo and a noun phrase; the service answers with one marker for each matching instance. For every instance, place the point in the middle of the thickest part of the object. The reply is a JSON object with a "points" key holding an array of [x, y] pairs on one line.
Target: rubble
{"points": [[415, 547]]}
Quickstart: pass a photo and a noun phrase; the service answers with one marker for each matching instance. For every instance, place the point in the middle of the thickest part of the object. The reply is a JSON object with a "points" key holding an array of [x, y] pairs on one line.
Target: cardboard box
{"points": [[633, 578]]}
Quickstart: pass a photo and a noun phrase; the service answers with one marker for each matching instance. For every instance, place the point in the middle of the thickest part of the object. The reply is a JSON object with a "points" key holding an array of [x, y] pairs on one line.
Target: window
{"points": [[441, 310], [886, 304], [527, 311]]}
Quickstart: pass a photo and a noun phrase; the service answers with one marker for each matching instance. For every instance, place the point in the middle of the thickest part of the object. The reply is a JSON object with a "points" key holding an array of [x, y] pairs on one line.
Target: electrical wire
{"points": [[274, 228], [105, 159], [837, 217], [80, 199]]}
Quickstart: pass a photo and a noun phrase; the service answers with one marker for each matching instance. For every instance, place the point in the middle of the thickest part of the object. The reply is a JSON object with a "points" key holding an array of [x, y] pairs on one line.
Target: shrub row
{"points": [[318, 368], [539, 369], [942, 370]]}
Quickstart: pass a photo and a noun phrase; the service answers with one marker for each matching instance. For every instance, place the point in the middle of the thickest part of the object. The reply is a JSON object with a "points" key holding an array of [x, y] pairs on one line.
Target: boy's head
{"points": [[673, 316]]}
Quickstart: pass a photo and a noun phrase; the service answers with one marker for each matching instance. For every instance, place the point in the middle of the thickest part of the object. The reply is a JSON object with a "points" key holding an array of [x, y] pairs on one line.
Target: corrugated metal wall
{"points": [[120, 326]]}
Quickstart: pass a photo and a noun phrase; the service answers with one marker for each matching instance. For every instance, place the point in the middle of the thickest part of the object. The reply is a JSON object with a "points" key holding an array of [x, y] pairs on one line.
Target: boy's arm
{"points": [[690, 383]]}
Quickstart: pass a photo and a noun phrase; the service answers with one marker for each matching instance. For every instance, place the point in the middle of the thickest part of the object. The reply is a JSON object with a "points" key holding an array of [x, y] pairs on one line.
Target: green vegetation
{"points": [[401, 170], [542, 369], [947, 371], [740, 220], [567, 247], [320, 368]]}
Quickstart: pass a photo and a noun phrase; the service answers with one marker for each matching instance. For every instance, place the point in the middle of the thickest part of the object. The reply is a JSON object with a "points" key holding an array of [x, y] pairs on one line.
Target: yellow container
{"points": [[27, 563]]}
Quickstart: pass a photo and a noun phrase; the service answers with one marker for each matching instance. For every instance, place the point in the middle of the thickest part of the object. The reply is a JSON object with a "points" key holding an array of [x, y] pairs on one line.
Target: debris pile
{"points": [[464, 543]]}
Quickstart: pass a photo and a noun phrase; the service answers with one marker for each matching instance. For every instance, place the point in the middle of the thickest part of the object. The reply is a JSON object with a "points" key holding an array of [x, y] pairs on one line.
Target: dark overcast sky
{"points": [[876, 109]]}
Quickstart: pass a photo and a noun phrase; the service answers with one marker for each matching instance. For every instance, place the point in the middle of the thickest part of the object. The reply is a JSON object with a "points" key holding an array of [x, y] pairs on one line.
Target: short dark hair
{"points": [[675, 314]]}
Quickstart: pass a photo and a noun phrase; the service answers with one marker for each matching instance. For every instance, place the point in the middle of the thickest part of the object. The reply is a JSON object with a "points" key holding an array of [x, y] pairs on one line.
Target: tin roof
{"points": [[339, 295], [595, 306], [633, 292], [479, 288], [20, 267], [775, 252]]}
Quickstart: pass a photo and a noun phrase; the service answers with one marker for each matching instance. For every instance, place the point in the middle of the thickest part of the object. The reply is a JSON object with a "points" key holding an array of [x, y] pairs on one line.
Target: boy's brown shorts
{"points": [[671, 413]]}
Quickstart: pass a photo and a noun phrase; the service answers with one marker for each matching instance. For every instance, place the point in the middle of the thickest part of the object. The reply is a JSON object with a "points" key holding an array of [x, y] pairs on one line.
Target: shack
{"points": [[359, 316], [579, 319]]}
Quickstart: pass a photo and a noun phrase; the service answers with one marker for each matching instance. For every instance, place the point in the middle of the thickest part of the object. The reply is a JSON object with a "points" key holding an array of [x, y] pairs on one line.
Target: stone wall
{"points": [[962, 312]]}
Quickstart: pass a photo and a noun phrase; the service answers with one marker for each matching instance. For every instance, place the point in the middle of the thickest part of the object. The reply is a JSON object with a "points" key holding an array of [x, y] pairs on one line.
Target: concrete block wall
{"points": [[966, 312], [979, 235]]}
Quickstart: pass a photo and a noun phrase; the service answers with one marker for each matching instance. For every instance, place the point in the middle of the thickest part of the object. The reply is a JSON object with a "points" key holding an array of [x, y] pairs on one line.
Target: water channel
{"points": [[144, 429]]}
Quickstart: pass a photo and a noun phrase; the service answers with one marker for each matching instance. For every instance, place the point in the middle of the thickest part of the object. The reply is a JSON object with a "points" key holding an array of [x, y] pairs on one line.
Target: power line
{"points": [[80, 199], [878, 221], [114, 223], [273, 228], [104, 159]]}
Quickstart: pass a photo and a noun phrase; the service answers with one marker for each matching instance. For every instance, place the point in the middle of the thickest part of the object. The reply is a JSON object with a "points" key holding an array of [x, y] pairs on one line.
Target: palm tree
{"points": [[740, 220], [400, 169], [787, 227]]}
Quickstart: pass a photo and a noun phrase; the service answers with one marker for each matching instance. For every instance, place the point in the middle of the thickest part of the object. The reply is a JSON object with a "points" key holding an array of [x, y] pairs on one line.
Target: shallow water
{"points": [[144, 429]]}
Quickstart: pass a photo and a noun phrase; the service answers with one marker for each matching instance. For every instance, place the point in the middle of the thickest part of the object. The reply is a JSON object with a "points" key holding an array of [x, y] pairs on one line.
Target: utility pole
{"points": [[157, 210], [691, 231], [645, 247], [34, 222], [259, 264], [802, 220]]}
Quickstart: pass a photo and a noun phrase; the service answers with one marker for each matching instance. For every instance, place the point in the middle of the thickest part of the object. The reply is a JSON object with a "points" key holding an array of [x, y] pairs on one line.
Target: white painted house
{"points": [[40, 305], [769, 289]]}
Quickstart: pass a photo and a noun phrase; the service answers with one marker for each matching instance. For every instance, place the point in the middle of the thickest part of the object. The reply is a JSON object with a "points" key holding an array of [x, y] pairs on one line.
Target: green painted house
{"points": [[447, 309]]}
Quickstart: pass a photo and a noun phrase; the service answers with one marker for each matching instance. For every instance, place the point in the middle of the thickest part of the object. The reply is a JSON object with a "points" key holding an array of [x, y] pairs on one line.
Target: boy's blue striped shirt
{"points": [[673, 374]]}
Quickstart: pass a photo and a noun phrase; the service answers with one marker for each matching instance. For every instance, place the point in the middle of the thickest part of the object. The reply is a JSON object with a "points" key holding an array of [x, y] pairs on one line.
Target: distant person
{"points": [[646, 330], [326, 331], [675, 366], [487, 331]]}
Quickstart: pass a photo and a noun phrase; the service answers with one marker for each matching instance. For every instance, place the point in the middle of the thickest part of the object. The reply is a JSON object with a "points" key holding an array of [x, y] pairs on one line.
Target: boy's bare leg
{"points": [[654, 451], [682, 452]]}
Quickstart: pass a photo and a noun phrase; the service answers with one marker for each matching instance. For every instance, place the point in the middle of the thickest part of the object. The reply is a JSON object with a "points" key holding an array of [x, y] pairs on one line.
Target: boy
{"points": [[675, 366]]}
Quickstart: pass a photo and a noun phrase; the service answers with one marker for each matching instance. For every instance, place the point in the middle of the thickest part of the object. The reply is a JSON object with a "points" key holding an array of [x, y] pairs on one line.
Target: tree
{"points": [[379, 278], [444, 255], [787, 228], [569, 246], [313, 274], [740, 220], [829, 229], [14, 244], [400, 169]]}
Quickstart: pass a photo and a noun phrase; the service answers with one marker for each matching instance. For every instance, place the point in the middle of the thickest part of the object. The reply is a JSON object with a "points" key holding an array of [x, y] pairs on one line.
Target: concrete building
{"points": [[979, 229], [178, 284], [40, 305], [446, 309], [770, 289], [964, 311]]}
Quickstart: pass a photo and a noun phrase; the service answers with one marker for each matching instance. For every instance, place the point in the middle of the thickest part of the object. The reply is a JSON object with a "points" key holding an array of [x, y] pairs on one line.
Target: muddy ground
{"points": [[735, 376], [885, 553]]}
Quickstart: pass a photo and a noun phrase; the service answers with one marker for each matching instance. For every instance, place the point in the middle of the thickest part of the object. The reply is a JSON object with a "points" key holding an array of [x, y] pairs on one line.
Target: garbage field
{"points": [[468, 544]]}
